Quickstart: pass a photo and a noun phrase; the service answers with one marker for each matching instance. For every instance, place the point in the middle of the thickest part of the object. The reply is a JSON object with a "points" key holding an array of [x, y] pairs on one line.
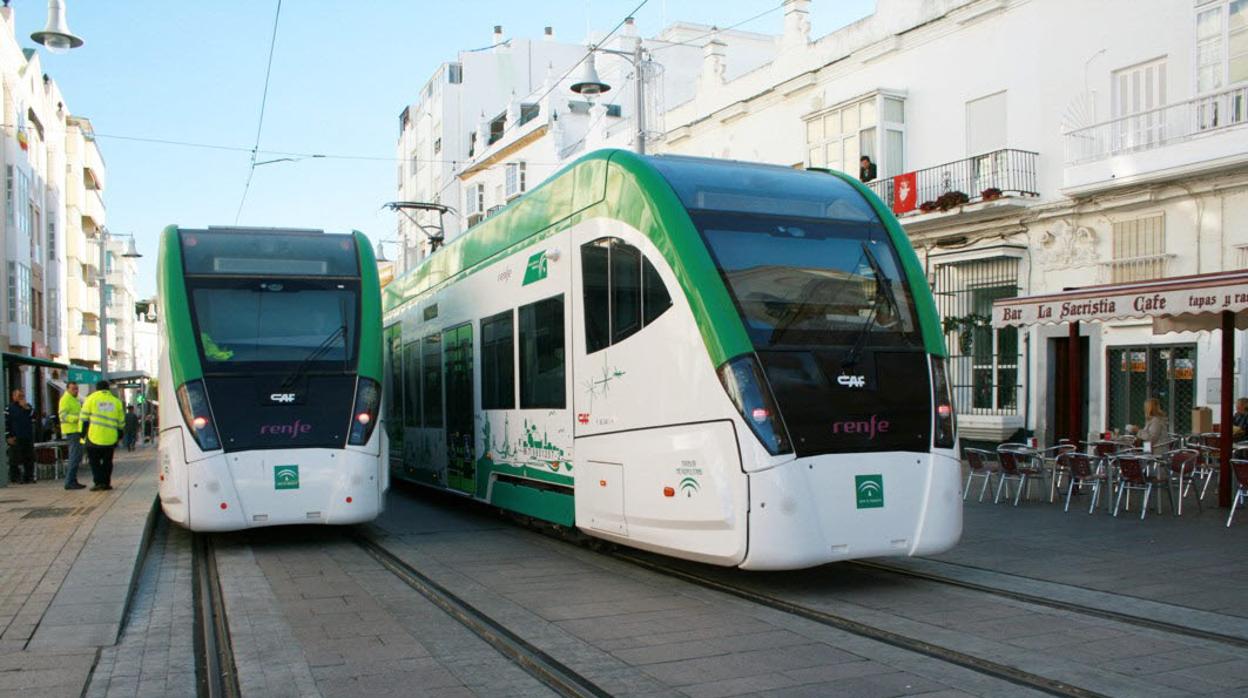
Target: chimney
{"points": [[629, 28], [498, 34], [6, 13], [548, 34], [713, 64], [796, 23]]}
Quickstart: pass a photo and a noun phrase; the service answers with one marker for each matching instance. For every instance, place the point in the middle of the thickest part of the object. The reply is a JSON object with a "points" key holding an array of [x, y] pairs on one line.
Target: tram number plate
{"points": [[285, 477]]}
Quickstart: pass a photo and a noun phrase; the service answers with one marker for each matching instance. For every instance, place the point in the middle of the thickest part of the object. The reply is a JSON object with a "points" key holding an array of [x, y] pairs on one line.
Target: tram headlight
{"points": [[364, 414], [944, 430], [746, 386], [193, 401]]}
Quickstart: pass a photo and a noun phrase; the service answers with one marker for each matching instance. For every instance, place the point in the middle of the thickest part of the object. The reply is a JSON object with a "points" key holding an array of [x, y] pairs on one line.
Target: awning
{"points": [[1185, 303], [11, 358]]}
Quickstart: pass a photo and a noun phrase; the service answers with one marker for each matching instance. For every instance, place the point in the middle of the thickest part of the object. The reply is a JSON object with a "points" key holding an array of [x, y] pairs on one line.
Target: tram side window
{"points": [[542, 355], [498, 371], [394, 380], [431, 353], [411, 392], [622, 292]]}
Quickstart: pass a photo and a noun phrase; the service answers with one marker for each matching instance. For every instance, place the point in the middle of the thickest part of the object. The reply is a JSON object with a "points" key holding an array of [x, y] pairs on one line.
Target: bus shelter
{"points": [[1204, 302]]}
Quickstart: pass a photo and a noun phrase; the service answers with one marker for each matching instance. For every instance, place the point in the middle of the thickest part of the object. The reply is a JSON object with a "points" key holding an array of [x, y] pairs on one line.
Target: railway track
{"points": [[981, 665], [546, 669], [1058, 604], [215, 673]]}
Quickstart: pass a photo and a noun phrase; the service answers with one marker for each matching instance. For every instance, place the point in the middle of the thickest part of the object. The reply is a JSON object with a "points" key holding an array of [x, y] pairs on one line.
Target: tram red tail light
{"points": [[367, 400], [944, 427], [193, 401], [746, 386]]}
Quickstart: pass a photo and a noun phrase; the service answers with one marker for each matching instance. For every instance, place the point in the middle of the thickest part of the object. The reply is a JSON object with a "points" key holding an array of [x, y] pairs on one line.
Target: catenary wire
{"points": [[716, 30], [264, 99]]}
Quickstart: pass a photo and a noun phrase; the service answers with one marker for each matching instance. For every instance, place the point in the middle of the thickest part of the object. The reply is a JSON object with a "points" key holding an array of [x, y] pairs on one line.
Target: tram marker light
{"points": [[348, 500], [669, 492], [224, 506]]}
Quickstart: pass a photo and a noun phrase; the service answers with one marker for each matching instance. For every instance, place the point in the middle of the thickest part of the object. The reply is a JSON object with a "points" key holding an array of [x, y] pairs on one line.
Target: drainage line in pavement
{"points": [[215, 673], [537, 663], [1140, 621], [945, 654]]}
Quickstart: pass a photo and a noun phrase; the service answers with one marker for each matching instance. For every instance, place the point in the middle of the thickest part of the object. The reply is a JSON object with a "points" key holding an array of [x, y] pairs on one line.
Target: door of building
{"points": [[1059, 413], [1135, 374]]}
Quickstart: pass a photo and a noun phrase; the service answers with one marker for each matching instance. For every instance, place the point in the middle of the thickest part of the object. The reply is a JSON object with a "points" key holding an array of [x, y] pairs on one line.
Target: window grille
{"points": [[1139, 249], [984, 363]]}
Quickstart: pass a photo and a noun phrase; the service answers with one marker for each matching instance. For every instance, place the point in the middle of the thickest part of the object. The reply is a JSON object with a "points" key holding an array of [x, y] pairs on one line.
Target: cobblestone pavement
{"points": [[155, 656], [66, 569], [634, 632], [1193, 560]]}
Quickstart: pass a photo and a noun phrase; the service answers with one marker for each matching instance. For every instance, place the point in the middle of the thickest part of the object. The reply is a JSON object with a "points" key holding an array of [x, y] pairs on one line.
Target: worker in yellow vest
{"points": [[103, 418], [68, 413]]}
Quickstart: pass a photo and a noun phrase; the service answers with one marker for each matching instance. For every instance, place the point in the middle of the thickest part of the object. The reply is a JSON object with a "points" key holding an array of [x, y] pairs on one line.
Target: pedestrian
{"points": [[102, 422], [19, 434], [1239, 421], [132, 428], [1155, 427], [866, 169], [68, 411]]}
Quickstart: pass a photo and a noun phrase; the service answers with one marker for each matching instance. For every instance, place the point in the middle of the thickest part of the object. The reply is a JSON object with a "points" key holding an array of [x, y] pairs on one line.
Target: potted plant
{"points": [[951, 199], [990, 194], [965, 326]]}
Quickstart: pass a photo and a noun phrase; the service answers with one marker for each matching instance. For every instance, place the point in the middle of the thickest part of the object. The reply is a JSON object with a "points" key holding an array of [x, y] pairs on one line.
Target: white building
{"points": [[1069, 142], [84, 219]]}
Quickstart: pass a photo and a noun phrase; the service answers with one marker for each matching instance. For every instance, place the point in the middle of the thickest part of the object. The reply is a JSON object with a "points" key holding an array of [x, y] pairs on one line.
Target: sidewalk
{"points": [[68, 560], [1191, 561]]}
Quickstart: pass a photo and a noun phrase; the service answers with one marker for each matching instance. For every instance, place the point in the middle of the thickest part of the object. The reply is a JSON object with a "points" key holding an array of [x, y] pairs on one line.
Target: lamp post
{"points": [[56, 36], [131, 252], [590, 85]]}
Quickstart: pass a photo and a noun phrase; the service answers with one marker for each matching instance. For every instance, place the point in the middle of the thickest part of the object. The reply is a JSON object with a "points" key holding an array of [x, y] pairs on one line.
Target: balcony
{"points": [[1132, 269], [92, 210], [998, 176], [1198, 136]]}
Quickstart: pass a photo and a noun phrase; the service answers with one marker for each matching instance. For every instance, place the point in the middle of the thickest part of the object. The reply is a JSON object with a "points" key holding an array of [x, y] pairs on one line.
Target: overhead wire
{"points": [[264, 99], [716, 30]]}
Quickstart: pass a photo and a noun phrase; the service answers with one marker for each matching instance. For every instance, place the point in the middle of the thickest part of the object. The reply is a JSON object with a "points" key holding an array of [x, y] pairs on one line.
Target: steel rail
{"points": [[541, 666], [977, 664], [215, 673]]}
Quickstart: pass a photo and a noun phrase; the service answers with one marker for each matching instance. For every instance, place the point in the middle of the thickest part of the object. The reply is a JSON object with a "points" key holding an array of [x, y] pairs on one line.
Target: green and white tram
{"points": [[270, 378], [734, 363]]}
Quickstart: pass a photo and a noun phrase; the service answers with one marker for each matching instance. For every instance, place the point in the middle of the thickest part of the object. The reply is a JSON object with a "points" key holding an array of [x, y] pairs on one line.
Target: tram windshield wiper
{"points": [[320, 350], [883, 292]]}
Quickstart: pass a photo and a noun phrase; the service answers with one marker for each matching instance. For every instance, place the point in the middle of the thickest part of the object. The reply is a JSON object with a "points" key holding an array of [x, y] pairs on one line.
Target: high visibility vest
{"points": [[67, 412], [105, 417]]}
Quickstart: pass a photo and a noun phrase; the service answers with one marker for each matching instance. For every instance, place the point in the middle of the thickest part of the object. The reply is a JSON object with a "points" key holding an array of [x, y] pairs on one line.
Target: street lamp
{"points": [[56, 36], [590, 85], [132, 252]]}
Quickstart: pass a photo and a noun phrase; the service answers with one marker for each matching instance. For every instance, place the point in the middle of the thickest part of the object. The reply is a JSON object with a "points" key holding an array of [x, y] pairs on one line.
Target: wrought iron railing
{"points": [[1003, 172], [1155, 128], [1142, 268]]}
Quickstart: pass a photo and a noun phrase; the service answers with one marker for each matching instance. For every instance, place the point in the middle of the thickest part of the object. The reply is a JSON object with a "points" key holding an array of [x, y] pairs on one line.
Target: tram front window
{"points": [[275, 323], [807, 282]]}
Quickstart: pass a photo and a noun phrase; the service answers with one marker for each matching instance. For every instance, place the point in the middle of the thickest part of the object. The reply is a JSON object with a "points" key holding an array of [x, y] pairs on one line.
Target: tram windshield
{"points": [[275, 322]]}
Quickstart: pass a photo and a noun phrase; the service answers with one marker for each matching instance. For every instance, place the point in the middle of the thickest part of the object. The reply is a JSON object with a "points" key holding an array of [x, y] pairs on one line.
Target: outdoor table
{"points": [[56, 447]]}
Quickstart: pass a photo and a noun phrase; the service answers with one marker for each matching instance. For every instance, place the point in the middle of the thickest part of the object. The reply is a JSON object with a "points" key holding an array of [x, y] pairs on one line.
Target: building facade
{"points": [[1026, 146]]}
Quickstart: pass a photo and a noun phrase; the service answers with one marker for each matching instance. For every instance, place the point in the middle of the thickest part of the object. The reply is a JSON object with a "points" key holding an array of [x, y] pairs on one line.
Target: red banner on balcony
{"points": [[905, 193]]}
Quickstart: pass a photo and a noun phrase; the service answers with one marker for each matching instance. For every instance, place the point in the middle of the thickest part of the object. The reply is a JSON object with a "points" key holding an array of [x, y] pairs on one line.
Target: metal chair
{"points": [[1053, 455], [1240, 468], [1183, 464], [1133, 475], [1016, 464], [982, 464], [1081, 470]]}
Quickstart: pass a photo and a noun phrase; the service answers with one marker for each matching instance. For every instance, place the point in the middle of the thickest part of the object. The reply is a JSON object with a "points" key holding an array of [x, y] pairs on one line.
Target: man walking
{"points": [[102, 422], [132, 428], [68, 410], [19, 433]]}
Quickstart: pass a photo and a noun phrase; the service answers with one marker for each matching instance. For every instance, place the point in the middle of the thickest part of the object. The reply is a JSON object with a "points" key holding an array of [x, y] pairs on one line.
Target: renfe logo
{"points": [[295, 430], [852, 381], [869, 427]]}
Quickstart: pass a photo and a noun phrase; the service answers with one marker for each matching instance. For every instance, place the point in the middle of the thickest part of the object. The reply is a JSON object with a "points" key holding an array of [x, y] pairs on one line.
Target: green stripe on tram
{"points": [[370, 361], [183, 353]]}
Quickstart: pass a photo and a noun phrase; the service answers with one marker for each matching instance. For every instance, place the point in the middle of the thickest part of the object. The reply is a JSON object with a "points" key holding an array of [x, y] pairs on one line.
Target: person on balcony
{"points": [[866, 169]]}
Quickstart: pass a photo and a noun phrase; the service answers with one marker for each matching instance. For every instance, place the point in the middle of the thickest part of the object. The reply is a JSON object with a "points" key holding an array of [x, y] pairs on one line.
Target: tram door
{"points": [[461, 471]]}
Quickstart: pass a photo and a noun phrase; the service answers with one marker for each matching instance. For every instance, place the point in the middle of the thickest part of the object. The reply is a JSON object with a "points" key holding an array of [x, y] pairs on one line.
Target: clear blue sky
{"points": [[342, 72]]}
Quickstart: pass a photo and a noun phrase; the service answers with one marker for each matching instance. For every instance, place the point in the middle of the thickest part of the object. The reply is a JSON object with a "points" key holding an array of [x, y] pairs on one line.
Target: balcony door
{"points": [[1138, 94]]}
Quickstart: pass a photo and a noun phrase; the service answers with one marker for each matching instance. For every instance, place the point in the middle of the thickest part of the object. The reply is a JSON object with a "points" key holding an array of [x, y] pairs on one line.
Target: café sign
{"points": [[1211, 293]]}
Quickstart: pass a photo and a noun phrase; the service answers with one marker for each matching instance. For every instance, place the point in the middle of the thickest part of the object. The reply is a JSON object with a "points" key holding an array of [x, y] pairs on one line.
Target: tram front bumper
{"points": [[233, 491], [821, 509]]}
